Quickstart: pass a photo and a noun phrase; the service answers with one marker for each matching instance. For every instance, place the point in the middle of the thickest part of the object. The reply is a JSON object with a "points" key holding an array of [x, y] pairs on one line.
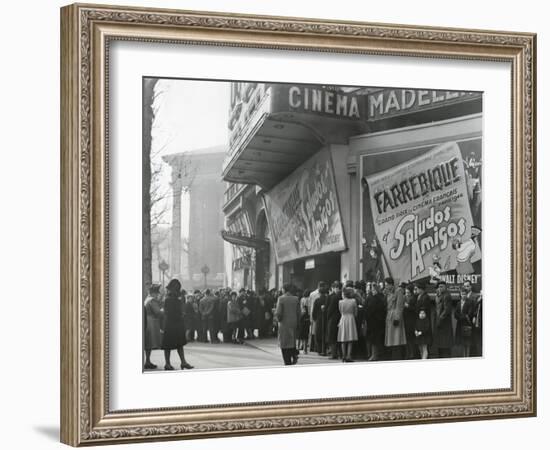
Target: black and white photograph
{"points": [[293, 224]]}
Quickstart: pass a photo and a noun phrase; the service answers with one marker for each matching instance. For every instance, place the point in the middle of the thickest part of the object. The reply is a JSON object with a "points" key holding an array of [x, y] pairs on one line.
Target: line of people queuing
{"points": [[357, 320], [376, 321], [220, 316]]}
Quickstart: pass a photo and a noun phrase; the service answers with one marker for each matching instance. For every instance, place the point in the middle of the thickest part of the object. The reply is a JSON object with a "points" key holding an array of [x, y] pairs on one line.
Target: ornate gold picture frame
{"points": [[87, 31]]}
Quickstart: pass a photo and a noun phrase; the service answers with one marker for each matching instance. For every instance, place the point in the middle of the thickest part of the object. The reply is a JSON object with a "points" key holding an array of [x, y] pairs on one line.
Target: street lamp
{"points": [[205, 269], [163, 267]]}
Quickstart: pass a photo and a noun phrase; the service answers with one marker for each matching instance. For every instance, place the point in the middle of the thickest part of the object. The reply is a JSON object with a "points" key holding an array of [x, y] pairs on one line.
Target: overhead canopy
{"points": [[283, 125], [244, 240]]}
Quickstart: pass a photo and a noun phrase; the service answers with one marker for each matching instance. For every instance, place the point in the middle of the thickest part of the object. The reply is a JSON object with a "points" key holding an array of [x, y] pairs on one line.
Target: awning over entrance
{"points": [[244, 240], [277, 127]]}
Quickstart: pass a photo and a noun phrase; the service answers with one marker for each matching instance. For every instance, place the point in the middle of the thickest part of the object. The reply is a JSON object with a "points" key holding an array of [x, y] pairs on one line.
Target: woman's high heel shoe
{"points": [[186, 366]]}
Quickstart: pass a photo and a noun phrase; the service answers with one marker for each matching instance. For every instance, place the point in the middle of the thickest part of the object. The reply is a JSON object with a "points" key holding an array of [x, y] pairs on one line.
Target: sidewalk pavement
{"points": [[252, 353]]}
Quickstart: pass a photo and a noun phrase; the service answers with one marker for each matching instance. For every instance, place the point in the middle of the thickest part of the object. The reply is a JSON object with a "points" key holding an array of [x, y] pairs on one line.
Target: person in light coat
{"points": [[395, 325]]}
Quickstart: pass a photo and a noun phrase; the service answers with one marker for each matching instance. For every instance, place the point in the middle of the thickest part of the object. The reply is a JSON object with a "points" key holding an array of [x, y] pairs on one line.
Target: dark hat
{"points": [[403, 285], [349, 283], [173, 286], [154, 289], [441, 282], [389, 280]]}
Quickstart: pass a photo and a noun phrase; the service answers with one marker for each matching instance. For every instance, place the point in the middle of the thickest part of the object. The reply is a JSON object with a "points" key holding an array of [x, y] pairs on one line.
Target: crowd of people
{"points": [[211, 316], [351, 321], [375, 321]]}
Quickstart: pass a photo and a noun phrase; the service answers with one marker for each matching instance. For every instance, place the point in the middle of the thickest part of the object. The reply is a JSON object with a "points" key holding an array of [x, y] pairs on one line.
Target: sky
{"points": [[190, 114]]}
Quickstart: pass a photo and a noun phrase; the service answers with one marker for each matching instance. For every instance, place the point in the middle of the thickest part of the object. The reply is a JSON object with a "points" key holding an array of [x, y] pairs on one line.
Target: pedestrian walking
{"points": [[287, 313]]}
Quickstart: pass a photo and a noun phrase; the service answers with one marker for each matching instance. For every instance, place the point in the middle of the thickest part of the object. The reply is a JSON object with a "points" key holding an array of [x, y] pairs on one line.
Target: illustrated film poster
{"points": [[422, 214]]}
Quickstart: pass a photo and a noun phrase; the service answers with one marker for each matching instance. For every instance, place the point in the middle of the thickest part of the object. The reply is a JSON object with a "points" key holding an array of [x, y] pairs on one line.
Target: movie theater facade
{"points": [[342, 183]]}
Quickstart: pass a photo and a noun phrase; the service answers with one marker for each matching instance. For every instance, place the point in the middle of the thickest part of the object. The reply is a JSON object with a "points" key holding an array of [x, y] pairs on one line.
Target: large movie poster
{"points": [[422, 215], [303, 211]]}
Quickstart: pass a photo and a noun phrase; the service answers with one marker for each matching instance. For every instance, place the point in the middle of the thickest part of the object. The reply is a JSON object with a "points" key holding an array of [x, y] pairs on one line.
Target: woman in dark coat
{"points": [[174, 327], [375, 312]]}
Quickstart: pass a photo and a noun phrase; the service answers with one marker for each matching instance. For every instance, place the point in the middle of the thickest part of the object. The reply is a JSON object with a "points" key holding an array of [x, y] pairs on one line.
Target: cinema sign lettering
{"points": [[394, 102], [319, 100]]}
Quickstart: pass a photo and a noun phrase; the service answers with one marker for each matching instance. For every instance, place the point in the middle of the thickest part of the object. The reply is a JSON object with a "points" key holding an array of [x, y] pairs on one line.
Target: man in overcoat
{"points": [[333, 318], [311, 302], [443, 329], [319, 316], [207, 306], [287, 314], [476, 320]]}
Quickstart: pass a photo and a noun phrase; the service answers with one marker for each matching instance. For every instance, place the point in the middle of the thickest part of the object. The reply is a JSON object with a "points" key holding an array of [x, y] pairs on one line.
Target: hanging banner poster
{"points": [[422, 218], [303, 211]]}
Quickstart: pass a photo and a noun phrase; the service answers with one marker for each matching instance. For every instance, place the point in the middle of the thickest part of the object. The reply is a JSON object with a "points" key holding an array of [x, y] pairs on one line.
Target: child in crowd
{"points": [[423, 333]]}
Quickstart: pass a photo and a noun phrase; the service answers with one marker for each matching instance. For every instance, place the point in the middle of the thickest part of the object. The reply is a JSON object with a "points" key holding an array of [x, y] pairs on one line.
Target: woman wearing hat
{"points": [[347, 328], [174, 327]]}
